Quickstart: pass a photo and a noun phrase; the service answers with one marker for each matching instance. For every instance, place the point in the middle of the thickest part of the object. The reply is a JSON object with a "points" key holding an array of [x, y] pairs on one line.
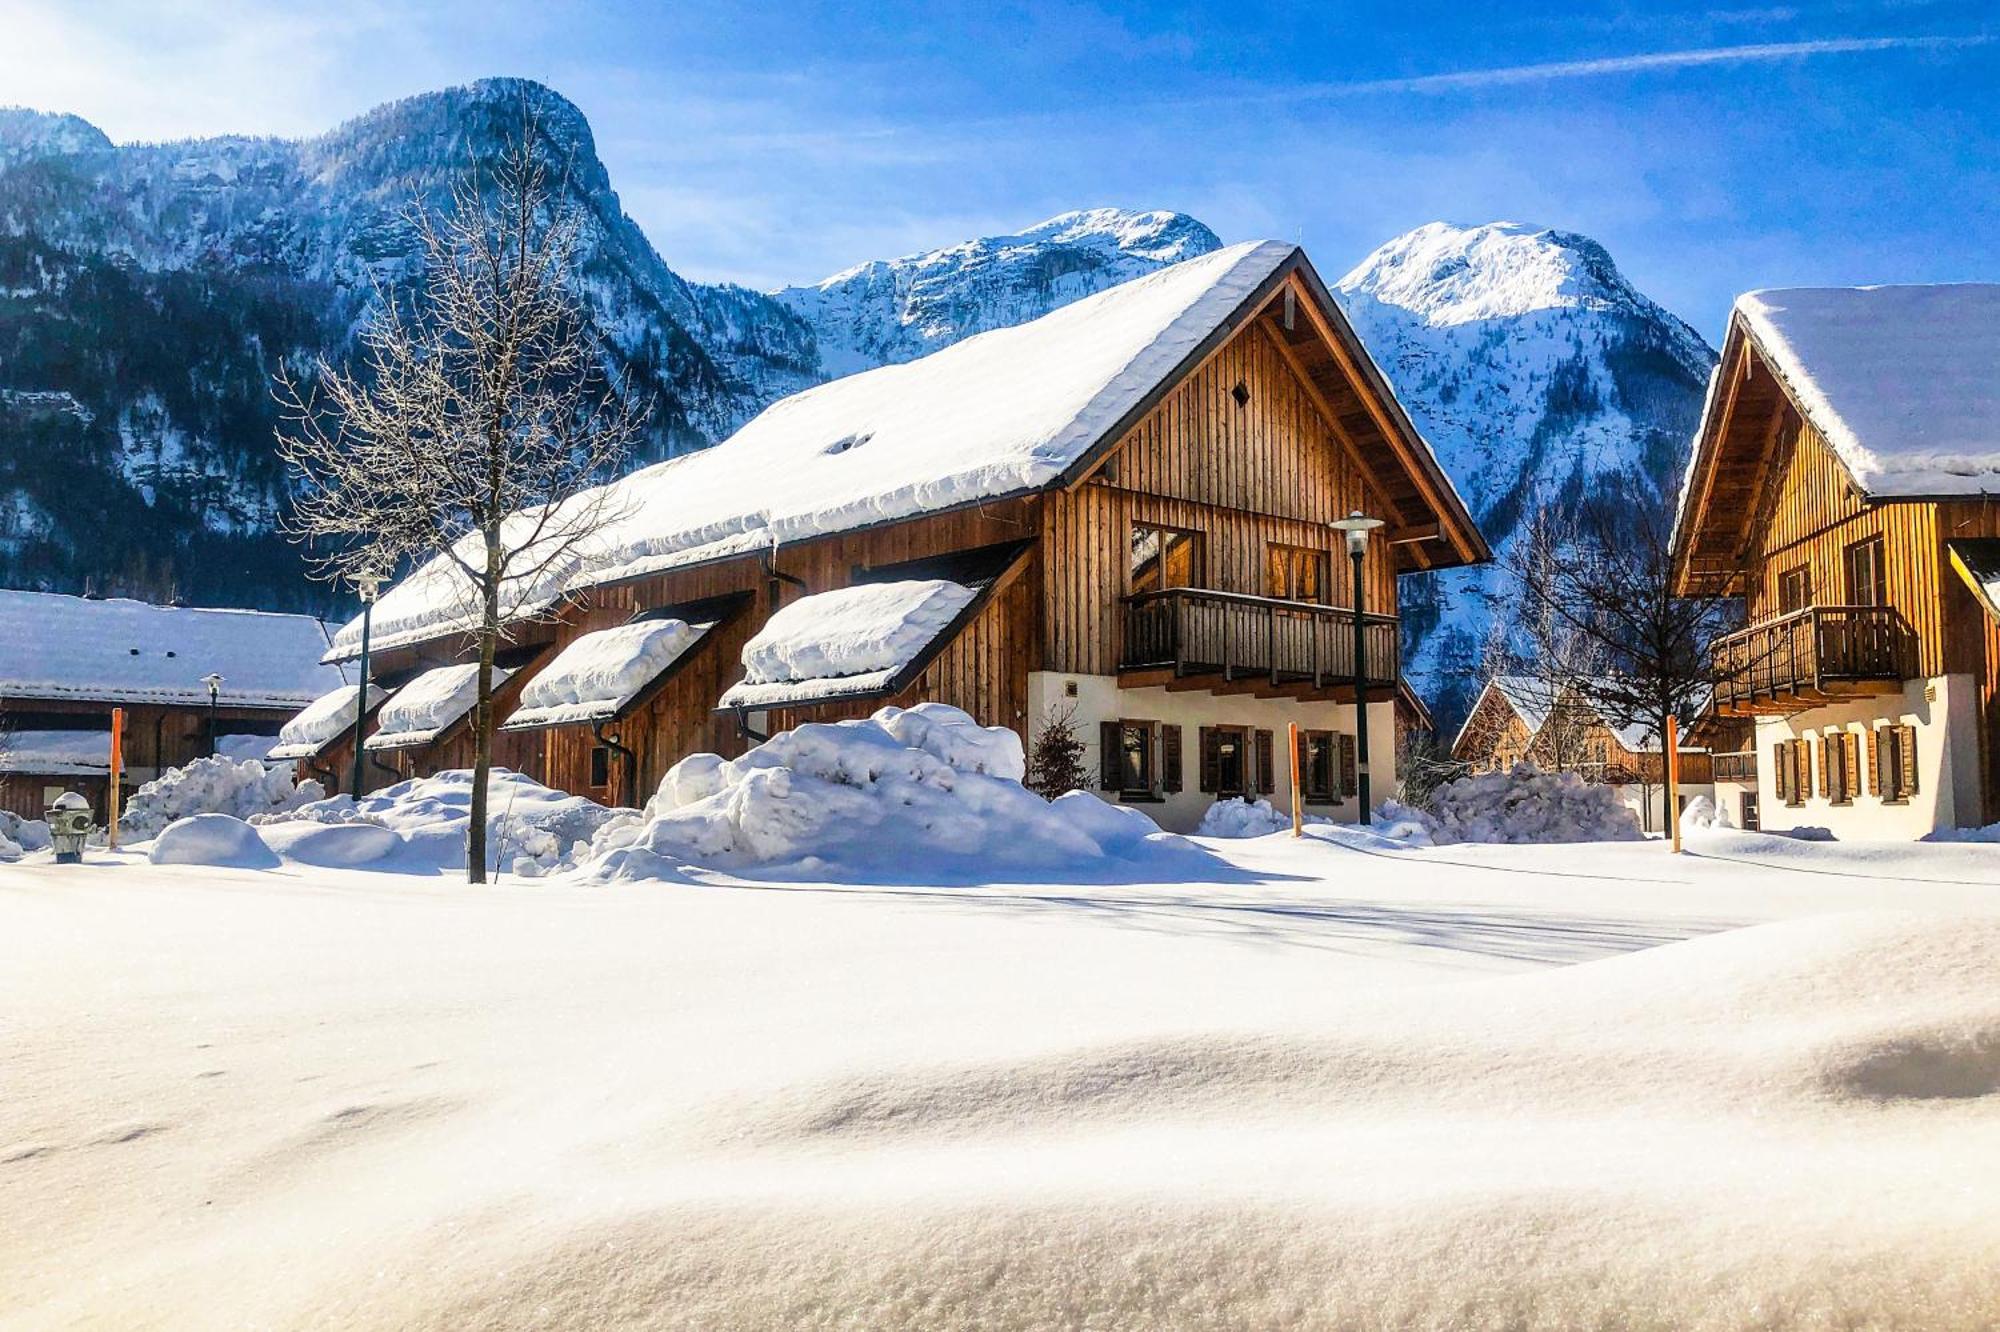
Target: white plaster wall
{"points": [[1099, 699], [1649, 803], [1728, 797], [1945, 711]]}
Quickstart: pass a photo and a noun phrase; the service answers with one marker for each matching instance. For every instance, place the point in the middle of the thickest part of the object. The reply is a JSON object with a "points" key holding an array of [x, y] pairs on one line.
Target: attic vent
{"points": [[1241, 393], [850, 442], [172, 653], [133, 651]]}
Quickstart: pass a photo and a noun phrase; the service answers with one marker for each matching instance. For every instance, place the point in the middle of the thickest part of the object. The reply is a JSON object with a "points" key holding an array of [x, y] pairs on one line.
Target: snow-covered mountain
{"points": [[1536, 371], [892, 310]]}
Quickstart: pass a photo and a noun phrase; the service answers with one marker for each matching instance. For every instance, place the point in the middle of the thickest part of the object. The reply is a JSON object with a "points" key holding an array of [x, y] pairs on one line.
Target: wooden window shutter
{"points": [[1265, 742], [1781, 766], [1211, 760], [1110, 743], [1825, 763], [1347, 778], [1170, 758], [1875, 761], [1852, 745], [1906, 742]]}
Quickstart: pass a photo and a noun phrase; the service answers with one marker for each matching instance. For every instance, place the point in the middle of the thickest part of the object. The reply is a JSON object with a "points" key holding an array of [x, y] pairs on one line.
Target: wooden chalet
{"points": [[1843, 486], [66, 662], [1116, 514]]}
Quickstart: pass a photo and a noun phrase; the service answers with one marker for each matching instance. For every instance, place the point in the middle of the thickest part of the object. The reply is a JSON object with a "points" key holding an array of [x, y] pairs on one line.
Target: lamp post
{"points": [[366, 584], [1357, 528], [214, 682]]}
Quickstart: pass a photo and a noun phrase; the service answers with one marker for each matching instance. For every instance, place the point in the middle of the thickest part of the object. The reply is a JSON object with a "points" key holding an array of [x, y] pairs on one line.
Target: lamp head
{"points": [[214, 682], [1357, 526], [368, 583]]}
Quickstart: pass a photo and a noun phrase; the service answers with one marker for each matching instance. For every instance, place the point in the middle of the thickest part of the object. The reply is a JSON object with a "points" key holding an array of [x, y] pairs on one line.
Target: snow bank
{"points": [[240, 747], [10, 850], [212, 839], [427, 705], [531, 829], [218, 785], [925, 790], [1524, 805], [848, 641], [598, 674], [28, 834], [56, 753], [1236, 817], [322, 720]]}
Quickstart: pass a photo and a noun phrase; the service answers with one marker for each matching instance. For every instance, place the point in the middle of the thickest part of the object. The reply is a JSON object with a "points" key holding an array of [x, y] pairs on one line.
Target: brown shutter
{"points": [[1824, 765], [1852, 742], [1170, 758], [1211, 760], [1265, 743], [1875, 761], [1906, 741], [1781, 766], [1110, 739], [1348, 784]]}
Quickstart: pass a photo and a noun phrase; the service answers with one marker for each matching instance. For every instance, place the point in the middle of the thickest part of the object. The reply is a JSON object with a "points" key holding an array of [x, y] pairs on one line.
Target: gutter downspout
{"points": [[743, 727], [631, 764]]}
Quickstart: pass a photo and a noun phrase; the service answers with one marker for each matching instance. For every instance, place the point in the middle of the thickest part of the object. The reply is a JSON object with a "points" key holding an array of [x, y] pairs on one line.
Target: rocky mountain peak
{"points": [[26, 134]]}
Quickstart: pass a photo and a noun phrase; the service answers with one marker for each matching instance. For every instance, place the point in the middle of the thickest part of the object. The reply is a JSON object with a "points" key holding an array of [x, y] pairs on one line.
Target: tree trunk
{"points": [[482, 714]]}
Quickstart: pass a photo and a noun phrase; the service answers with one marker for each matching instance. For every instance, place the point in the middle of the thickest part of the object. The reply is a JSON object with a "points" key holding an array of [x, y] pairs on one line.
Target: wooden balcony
{"points": [[1227, 642], [1739, 767], [1812, 657]]}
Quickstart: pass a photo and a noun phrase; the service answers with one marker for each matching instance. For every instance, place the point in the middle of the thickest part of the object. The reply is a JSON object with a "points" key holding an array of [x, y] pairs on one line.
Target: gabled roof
{"points": [[117, 651], [428, 706], [323, 721], [608, 674], [1899, 381], [1005, 413]]}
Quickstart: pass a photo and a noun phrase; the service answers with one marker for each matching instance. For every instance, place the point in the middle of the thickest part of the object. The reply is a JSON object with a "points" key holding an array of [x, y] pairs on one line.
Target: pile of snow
{"points": [[531, 829], [428, 705], [1703, 813], [10, 850], [28, 834], [238, 787], [320, 721], [926, 790], [1236, 817], [848, 641], [1524, 805], [212, 839], [598, 674], [241, 747]]}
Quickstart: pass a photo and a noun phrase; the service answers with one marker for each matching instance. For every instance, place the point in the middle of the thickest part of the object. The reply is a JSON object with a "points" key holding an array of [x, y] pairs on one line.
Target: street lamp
{"points": [[214, 683], [1357, 528], [367, 582]]}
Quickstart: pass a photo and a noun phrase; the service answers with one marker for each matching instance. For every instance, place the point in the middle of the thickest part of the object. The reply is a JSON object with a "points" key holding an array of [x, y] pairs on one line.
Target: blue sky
{"points": [[1710, 148]]}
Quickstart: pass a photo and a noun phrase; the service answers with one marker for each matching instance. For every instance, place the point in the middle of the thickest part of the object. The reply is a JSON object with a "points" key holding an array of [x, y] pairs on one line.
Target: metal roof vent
{"points": [[849, 442]]}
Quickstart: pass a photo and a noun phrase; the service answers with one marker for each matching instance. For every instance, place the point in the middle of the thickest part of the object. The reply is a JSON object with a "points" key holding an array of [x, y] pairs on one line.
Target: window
{"points": [[600, 765], [1893, 763], [1747, 808], [1225, 760], [1164, 557], [1866, 584], [1141, 759], [1837, 764], [1321, 764], [1795, 589], [1791, 762], [1297, 573]]}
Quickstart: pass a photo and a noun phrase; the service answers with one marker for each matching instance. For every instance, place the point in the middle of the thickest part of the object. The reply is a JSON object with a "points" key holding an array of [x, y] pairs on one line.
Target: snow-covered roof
{"points": [[428, 705], [599, 674], [1002, 413], [118, 651], [1903, 382], [321, 721], [1531, 698], [56, 753], [853, 640]]}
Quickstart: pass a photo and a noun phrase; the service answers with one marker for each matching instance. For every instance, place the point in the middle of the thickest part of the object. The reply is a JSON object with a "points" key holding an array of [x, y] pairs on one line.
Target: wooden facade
{"points": [[1274, 426], [1849, 598]]}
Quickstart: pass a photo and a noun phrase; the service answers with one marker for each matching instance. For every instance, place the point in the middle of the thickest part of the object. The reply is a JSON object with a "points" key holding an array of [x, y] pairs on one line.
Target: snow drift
{"points": [[1236, 817], [211, 839], [1523, 805], [237, 787], [924, 790]]}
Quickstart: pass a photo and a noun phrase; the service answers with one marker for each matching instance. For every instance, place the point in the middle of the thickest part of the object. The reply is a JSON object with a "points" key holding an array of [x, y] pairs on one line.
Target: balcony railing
{"points": [[1196, 632], [1740, 766], [1813, 656]]}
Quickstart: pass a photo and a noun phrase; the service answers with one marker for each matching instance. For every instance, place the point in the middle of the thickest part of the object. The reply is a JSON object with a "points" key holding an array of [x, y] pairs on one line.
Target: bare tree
{"points": [[473, 437], [1537, 642], [1599, 585]]}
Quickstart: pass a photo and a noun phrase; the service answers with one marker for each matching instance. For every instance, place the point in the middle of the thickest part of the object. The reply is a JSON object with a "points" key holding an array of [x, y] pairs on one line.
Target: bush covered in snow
{"points": [[921, 787], [240, 788], [1236, 817], [1524, 805]]}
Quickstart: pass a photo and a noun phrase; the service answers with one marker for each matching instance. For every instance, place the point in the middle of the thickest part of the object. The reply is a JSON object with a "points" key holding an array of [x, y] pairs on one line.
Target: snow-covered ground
{"points": [[1320, 1083]]}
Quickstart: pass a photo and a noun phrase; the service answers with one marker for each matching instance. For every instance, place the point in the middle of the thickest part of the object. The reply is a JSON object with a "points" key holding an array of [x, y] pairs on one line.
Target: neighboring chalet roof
{"points": [[56, 753], [117, 651], [321, 722], [428, 706], [1533, 700], [1009, 412], [1899, 381], [604, 675], [1419, 712], [1977, 560]]}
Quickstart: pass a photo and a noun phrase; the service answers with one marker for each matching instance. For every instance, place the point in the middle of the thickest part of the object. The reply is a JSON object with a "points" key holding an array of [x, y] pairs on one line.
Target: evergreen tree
{"points": [[1055, 764]]}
